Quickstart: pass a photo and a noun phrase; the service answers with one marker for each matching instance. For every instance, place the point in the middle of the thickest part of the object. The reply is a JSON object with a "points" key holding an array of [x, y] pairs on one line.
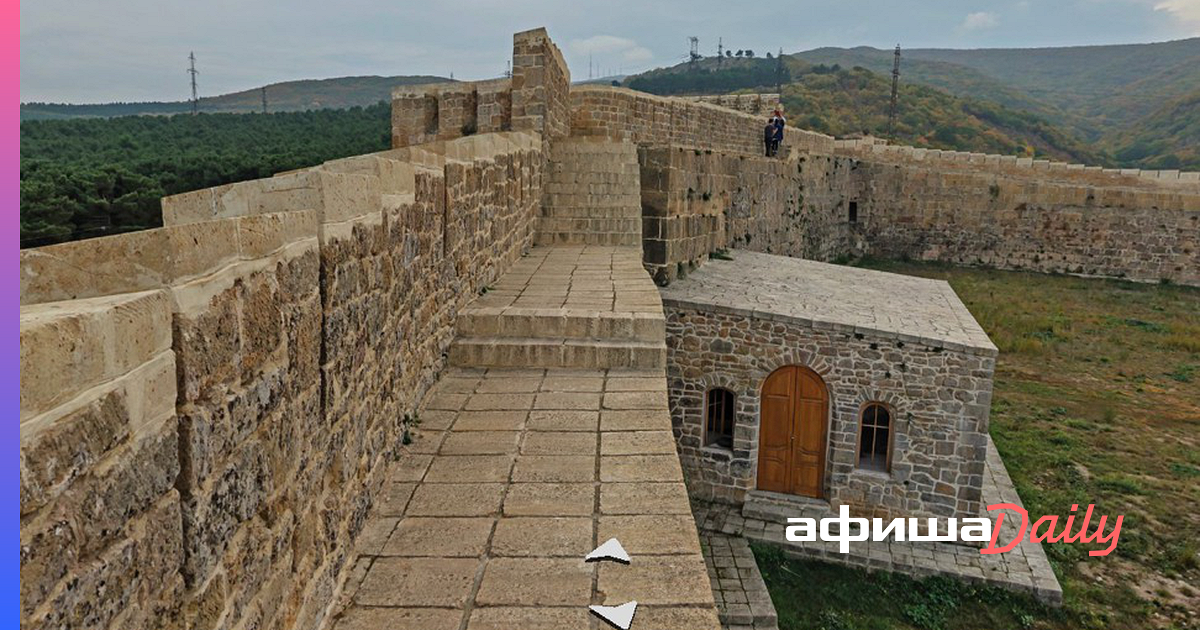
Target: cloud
{"points": [[981, 20], [610, 45], [1185, 11]]}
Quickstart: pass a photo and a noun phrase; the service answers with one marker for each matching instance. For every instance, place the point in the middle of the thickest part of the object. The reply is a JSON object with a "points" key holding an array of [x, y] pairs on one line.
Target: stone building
{"points": [[799, 378]]}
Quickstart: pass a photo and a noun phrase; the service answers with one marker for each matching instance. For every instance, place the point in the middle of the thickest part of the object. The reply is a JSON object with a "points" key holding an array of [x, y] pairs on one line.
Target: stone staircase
{"points": [[566, 307], [592, 194]]}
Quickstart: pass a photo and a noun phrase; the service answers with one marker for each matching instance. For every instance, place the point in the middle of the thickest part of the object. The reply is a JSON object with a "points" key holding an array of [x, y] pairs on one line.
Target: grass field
{"points": [[1097, 401]]}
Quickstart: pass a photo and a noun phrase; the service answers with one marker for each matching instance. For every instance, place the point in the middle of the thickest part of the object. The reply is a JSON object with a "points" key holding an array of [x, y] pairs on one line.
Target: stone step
{"points": [[592, 212], [554, 353], [561, 323], [614, 224], [774, 507], [615, 239], [593, 192], [592, 149]]}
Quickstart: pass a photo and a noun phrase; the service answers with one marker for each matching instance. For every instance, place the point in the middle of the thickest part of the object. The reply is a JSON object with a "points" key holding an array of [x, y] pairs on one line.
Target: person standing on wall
{"points": [[769, 137], [778, 122]]}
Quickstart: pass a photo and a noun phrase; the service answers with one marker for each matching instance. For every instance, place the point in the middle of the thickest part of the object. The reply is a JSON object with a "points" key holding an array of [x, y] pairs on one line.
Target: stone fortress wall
{"points": [[205, 406]]}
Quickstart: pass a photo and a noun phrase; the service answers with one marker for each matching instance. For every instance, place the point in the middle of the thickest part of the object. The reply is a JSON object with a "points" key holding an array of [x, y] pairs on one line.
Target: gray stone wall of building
{"points": [[939, 400]]}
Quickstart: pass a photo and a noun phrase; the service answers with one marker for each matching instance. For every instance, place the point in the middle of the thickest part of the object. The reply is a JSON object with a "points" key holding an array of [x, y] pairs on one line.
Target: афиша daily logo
{"points": [[1045, 529]]}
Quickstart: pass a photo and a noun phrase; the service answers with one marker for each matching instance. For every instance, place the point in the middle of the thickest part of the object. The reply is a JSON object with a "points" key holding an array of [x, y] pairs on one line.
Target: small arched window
{"points": [[718, 418], [875, 438]]}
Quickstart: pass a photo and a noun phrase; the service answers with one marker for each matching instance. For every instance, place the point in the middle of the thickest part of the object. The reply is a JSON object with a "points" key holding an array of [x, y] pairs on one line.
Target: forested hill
{"points": [[289, 96], [1116, 84], [90, 177], [844, 100]]}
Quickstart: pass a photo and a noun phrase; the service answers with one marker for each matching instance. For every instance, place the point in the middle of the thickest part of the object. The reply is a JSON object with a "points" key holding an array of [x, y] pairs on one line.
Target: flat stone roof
{"points": [[835, 297]]}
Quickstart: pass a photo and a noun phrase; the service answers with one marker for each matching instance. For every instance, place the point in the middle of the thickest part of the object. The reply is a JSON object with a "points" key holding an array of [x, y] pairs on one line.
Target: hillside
{"points": [[289, 96], [1167, 139], [1111, 84], [1118, 97], [953, 78], [841, 101]]}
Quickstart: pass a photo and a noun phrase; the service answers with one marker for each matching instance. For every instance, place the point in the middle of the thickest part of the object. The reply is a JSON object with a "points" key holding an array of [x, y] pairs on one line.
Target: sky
{"points": [[136, 50]]}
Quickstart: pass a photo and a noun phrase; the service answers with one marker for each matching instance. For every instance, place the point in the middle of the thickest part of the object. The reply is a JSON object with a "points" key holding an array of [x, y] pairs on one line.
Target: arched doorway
{"points": [[792, 432]]}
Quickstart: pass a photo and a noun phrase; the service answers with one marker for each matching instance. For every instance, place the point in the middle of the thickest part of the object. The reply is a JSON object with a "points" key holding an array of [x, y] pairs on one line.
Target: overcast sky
{"points": [[132, 50]]}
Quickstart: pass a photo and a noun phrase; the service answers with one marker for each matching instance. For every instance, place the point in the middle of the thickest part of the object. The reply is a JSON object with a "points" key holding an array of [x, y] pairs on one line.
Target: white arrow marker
{"points": [[610, 550], [619, 616]]}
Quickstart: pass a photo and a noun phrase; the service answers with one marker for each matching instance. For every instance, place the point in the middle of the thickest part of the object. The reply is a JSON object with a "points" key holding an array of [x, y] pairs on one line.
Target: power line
{"points": [[192, 71]]}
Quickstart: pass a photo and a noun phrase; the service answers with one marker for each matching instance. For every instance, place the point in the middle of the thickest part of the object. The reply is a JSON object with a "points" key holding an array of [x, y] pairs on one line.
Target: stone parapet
{"points": [[232, 383], [878, 150], [761, 105], [647, 119]]}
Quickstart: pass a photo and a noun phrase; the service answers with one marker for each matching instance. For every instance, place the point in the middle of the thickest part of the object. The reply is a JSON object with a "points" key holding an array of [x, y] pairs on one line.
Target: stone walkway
{"points": [[513, 477], [742, 598], [1025, 568]]}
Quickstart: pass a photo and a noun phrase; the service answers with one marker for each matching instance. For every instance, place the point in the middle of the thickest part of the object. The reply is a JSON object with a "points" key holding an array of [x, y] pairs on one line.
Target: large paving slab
{"points": [[836, 297], [512, 477]]}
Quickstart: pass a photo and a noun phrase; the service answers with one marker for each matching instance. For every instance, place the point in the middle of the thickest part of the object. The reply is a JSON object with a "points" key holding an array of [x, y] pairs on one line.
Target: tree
{"points": [[749, 53]]}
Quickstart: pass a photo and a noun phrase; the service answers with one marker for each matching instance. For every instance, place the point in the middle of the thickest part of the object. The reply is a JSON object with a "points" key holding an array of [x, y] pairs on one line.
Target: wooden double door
{"points": [[792, 432]]}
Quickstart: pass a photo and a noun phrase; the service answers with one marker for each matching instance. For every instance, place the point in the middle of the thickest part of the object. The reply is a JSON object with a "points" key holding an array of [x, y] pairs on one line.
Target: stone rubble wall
{"points": [[939, 399], [220, 395]]}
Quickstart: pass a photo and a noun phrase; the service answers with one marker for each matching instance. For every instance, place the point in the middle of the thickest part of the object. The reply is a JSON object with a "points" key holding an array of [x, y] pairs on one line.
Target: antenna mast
{"points": [[192, 71], [895, 88], [694, 53], [264, 98], [720, 50]]}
